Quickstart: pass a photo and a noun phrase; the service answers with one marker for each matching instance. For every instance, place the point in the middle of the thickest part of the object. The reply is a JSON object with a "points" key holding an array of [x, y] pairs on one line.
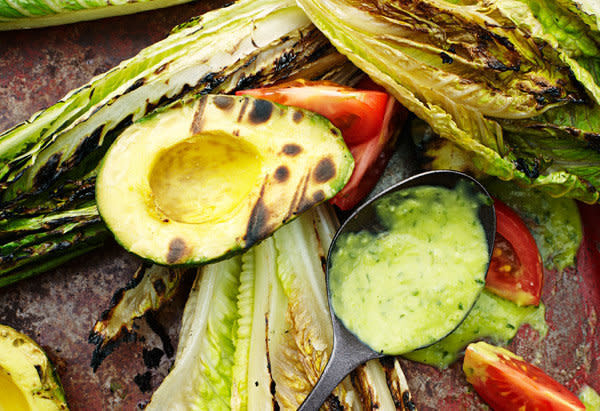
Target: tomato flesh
{"points": [[516, 271], [371, 158], [506, 381]]}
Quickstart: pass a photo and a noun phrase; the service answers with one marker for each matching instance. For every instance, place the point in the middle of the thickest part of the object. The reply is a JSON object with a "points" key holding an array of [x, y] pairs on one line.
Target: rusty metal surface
{"points": [[59, 308]]}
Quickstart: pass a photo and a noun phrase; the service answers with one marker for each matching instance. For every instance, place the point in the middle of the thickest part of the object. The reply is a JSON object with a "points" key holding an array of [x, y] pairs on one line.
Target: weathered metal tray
{"points": [[58, 309]]}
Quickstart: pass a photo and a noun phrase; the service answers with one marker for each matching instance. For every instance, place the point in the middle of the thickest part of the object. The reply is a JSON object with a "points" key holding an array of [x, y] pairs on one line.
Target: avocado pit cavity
{"points": [[204, 178]]}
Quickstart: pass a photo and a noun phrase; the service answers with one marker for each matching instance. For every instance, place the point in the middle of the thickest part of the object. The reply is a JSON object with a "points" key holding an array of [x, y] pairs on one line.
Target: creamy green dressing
{"points": [[590, 398], [411, 284], [554, 222], [493, 318]]}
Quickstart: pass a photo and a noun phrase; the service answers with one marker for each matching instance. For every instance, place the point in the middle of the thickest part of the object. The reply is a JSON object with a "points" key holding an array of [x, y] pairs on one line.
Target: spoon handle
{"points": [[347, 354]]}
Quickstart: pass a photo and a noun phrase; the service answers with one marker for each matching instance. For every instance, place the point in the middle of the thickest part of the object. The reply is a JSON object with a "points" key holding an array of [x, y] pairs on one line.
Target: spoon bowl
{"points": [[348, 350]]}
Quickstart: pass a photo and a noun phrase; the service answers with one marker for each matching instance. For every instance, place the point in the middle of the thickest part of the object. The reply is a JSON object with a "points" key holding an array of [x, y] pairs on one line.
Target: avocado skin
{"points": [[26, 364], [294, 160]]}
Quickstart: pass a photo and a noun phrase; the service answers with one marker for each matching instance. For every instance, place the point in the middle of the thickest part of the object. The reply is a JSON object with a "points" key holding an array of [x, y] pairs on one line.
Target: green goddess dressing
{"points": [[412, 283]]}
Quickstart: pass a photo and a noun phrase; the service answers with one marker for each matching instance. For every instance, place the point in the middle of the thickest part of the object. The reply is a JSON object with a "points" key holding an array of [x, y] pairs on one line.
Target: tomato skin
{"points": [[506, 382], [371, 158], [516, 271], [344, 106]]}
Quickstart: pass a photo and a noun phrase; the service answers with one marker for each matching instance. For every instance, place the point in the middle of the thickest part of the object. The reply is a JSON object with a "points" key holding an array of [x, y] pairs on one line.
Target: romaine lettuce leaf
{"points": [[150, 287], [548, 21], [201, 377], [251, 372], [502, 96], [448, 54], [587, 10]]}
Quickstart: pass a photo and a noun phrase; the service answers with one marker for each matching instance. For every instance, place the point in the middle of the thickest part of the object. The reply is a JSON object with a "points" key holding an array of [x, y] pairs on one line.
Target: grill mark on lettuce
{"points": [[47, 172], [106, 342], [285, 60], [138, 83], [272, 385], [49, 248], [60, 200], [87, 146], [60, 226], [87, 153], [440, 17], [207, 84]]}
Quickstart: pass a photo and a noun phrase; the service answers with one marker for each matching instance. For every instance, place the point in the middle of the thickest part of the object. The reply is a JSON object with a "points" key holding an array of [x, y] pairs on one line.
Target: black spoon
{"points": [[348, 351]]}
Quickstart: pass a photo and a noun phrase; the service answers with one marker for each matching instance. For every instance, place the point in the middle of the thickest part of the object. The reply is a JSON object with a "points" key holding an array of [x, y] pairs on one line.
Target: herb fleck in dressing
{"points": [[410, 285]]}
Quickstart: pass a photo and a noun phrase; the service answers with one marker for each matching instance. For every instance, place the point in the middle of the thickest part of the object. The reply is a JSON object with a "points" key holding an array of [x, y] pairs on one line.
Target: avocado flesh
{"points": [[27, 379], [213, 175], [12, 397]]}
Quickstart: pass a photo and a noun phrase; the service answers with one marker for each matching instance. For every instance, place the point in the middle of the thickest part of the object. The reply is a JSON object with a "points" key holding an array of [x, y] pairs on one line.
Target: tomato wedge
{"points": [[368, 118], [507, 382], [516, 271], [357, 113], [370, 158]]}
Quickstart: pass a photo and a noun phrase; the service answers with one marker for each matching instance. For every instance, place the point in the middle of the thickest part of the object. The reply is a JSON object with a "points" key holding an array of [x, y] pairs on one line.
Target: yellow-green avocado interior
{"points": [[215, 174], [27, 378]]}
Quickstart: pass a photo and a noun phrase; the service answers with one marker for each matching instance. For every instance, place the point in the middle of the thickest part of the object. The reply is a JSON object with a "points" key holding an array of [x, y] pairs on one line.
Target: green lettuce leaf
{"points": [[150, 287], [548, 21], [503, 97], [587, 10], [201, 377], [447, 54]]}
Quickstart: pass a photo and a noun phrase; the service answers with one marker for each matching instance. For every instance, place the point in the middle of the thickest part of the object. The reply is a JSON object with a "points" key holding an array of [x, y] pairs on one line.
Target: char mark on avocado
{"points": [[291, 150], [224, 102], [243, 109], [324, 171], [297, 116], [198, 122], [319, 196], [177, 248], [257, 224], [261, 111], [282, 173], [304, 203]]}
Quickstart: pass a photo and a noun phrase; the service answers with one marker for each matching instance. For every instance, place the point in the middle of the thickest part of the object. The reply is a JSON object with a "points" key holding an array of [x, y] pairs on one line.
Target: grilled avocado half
{"points": [[27, 378], [212, 175]]}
